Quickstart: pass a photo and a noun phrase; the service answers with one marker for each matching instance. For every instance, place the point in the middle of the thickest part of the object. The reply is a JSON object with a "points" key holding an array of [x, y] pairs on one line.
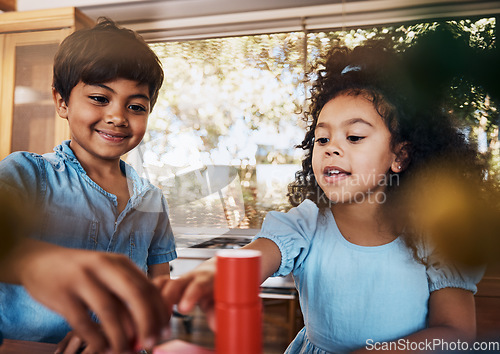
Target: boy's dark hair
{"points": [[103, 53]]}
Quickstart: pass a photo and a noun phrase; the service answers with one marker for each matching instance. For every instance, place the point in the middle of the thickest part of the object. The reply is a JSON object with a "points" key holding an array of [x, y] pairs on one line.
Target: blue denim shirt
{"points": [[78, 213]]}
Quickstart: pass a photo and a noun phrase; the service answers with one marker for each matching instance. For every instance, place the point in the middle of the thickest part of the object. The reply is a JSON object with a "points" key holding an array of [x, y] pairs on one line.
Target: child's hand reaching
{"points": [[191, 289], [197, 287], [72, 343], [73, 282]]}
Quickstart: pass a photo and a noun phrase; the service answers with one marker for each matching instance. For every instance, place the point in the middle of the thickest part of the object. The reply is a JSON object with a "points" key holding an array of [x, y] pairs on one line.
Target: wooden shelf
{"points": [[28, 42], [42, 20]]}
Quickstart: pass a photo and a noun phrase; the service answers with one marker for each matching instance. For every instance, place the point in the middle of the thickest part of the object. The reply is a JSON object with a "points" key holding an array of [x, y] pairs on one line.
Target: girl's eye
{"points": [[322, 141], [99, 99], [137, 108], [354, 138]]}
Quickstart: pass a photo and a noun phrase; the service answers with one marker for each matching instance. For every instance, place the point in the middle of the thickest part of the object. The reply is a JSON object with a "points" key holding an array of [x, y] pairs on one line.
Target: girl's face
{"points": [[352, 152]]}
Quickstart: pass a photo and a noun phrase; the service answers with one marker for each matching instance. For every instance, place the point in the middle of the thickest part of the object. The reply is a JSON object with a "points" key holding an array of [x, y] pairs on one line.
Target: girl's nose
{"points": [[333, 149]]}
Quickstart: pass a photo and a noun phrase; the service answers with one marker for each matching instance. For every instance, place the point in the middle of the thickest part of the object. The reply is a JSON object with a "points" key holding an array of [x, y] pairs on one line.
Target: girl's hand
{"points": [[197, 286], [191, 289]]}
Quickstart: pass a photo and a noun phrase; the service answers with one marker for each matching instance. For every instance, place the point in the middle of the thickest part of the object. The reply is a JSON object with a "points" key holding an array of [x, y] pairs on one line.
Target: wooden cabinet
{"points": [[28, 42]]}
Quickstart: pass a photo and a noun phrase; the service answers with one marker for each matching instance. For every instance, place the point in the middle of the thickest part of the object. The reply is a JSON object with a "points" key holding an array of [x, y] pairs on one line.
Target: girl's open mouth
{"points": [[334, 173]]}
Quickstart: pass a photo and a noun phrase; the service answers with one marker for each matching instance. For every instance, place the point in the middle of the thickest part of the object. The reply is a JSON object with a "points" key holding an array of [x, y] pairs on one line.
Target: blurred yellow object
{"points": [[459, 215], [12, 222]]}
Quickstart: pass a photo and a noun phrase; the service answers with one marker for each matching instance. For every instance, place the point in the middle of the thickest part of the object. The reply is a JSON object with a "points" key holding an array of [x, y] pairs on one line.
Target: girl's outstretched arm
{"points": [[271, 256], [197, 286], [452, 318]]}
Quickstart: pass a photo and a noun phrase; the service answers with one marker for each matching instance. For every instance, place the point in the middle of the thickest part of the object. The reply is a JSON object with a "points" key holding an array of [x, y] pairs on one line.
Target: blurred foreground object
{"points": [[456, 200], [13, 223], [178, 346], [445, 57], [461, 216]]}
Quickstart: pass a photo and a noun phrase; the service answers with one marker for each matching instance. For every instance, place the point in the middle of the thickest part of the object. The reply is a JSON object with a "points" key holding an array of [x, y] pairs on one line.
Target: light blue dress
{"points": [[78, 213], [353, 295]]}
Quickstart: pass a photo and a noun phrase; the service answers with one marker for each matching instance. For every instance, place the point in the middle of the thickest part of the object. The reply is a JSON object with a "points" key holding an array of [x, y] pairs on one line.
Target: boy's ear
{"points": [[402, 159], [60, 103]]}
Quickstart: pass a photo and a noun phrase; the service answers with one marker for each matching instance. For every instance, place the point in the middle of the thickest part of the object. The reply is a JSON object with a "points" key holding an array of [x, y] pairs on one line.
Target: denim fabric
{"points": [[77, 213]]}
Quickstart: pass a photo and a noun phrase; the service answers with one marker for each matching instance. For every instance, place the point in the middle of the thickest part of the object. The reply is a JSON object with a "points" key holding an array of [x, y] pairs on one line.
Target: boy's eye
{"points": [[322, 141], [137, 108], [99, 99], [354, 138]]}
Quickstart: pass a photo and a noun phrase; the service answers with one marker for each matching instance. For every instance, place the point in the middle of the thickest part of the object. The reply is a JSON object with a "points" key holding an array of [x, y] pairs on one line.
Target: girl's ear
{"points": [[402, 159], [60, 103]]}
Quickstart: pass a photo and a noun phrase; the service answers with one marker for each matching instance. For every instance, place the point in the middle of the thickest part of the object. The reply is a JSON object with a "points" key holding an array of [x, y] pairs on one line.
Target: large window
{"points": [[221, 139]]}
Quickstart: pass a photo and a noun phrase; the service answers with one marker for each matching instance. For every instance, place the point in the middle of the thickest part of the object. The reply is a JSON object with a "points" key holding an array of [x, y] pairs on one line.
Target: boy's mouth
{"points": [[110, 135]]}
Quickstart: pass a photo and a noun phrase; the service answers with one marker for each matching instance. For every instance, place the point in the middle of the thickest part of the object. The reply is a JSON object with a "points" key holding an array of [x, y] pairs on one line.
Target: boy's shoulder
{"points": [[25, 160], [22, 170], [21, 158]]}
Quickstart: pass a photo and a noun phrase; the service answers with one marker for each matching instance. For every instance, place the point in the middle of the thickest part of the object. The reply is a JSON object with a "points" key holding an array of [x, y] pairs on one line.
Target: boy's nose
{"points": [[116, 117]]}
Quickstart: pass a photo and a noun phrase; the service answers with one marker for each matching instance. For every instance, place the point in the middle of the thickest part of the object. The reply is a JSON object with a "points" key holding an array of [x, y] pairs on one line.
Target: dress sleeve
{"points": [[445, 275], [292, 232]]}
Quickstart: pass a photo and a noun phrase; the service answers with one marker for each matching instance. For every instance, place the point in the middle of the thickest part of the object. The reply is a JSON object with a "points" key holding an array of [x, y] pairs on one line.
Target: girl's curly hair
{"points": [[423, 127]]}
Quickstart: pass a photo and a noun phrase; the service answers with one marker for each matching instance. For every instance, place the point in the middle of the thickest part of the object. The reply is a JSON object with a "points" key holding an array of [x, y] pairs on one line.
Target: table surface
{"points": [[10, 346]]}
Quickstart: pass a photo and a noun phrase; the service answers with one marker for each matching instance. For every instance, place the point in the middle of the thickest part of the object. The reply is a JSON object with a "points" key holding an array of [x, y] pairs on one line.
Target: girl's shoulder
{"points": [[306, 208], [442, 273], [300, 221], [306, 211], [292, 232]]}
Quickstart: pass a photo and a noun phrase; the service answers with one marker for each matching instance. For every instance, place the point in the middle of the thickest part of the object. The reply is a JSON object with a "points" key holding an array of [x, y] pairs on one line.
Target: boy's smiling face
{"points": [[352, 150], [106, 120]]}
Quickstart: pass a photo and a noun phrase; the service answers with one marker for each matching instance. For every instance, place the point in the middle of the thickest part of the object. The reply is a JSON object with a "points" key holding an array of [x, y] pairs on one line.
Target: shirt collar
{"points": [[65, 152], [137, 185]]}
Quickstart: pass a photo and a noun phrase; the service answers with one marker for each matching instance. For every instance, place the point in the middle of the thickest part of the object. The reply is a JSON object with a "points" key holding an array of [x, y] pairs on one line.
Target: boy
{"points": [[106, 81]]}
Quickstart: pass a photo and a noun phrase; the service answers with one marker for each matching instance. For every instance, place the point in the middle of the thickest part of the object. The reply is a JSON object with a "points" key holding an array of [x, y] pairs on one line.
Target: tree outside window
{"points": [[220, 142]]}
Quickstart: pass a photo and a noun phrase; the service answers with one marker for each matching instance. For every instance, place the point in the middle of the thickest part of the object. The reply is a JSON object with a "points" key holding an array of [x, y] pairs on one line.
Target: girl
{"points": [[365, 279]]}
